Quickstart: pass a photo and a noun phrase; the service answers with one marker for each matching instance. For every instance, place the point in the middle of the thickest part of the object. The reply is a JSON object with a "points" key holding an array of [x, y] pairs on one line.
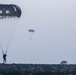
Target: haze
{"points": [[54, 40]]}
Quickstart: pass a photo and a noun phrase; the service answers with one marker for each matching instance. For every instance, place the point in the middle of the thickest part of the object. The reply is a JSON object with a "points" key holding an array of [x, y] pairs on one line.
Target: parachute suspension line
{"points": [[7, 28], [1, 47], [1, 40], [11, 36], [9, 41]]}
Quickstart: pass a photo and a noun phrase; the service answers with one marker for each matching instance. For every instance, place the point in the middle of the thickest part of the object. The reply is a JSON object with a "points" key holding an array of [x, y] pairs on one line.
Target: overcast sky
{"points": [[54, 40]]}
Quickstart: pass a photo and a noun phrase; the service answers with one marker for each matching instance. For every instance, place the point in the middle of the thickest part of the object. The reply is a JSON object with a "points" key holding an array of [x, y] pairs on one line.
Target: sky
{"points": [[54, 40]]}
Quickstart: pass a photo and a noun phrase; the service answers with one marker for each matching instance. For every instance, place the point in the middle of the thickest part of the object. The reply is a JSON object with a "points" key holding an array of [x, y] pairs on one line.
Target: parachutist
{"points": [[4, 57]]}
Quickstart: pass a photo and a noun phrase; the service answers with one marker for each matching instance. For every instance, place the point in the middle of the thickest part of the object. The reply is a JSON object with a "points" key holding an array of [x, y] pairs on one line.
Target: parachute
{"points": [[9, 14], [31, 31], [9, 10]]}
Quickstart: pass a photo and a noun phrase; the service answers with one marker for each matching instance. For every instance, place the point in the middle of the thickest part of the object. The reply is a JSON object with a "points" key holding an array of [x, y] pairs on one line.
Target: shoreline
{"points": [[37, 69]]}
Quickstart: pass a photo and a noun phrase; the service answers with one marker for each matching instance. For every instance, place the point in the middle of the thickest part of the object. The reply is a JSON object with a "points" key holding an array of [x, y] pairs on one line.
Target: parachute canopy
{"points": [[9, 10], [64, 62], [31, 30]]}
